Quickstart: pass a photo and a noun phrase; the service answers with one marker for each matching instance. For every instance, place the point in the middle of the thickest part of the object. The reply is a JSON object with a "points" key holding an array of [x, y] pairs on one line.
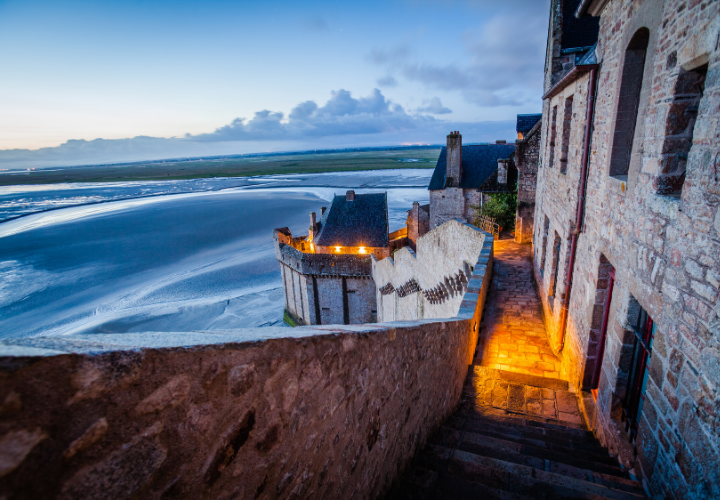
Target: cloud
{"points": [[343, 121], [433, 106], [504, 68], [342, 114], [387, 81]]}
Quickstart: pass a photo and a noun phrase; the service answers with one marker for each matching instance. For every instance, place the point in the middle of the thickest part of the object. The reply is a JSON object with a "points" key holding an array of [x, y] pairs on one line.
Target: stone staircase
{"points": [[514, 436]]}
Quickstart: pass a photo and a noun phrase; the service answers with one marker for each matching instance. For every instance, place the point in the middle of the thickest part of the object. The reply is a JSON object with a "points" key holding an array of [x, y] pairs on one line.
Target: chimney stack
{"points": [[322, 211], [453, 165], [501, 141], [350, 195], [502, 171], [313, 227]]}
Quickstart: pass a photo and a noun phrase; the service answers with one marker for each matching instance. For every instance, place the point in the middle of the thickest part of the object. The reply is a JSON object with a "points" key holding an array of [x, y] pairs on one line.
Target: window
{"points": [[679, 129], [543, 249], [643, 328], [599, 325], [553, 133], [552, 288], [567, 124], [628, 104]]}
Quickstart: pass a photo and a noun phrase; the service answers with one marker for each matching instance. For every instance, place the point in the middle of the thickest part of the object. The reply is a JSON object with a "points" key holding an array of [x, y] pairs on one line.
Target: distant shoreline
{"points": [[305, 162]]}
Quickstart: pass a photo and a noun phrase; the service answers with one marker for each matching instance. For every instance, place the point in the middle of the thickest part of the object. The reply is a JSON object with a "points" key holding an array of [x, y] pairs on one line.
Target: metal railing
{"points": [[488, 224]]}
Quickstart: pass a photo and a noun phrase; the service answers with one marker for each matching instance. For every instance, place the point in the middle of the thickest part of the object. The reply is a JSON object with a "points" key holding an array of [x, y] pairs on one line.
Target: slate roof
{"points": [[478, 164], [362, 222], [576, 32], [526, 122]]}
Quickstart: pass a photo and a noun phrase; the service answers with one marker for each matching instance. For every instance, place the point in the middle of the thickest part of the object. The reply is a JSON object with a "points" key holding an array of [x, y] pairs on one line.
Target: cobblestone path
{"points": [[518, 432], [513, 337]]}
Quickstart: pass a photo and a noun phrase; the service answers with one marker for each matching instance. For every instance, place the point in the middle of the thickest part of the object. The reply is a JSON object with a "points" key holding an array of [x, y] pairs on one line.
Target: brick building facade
{"points": [[627, 239]]}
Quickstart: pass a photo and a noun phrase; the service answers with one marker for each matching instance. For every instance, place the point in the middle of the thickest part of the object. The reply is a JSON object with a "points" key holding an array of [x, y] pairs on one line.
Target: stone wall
{"points": [[326, 289], [333, 412], [431, 282], [527, 155], [446, 204], [664, 249]]}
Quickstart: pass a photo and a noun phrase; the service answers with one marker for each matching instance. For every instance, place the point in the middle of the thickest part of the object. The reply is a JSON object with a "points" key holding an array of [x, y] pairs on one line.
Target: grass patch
{"points": [[288, 319], [345, 161]]}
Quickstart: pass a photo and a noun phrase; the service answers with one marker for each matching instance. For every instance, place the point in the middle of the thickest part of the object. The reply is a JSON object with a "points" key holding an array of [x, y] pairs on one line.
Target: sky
{"points": [[112, 81]]}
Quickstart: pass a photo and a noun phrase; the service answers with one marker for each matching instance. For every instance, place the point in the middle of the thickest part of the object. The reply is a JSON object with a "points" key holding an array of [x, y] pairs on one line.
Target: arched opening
{"points": [[679, 130], [628, 104]]}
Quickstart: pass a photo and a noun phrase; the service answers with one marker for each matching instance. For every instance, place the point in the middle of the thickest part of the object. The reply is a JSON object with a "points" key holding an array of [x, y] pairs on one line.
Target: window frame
{"points": [[644, 331]]}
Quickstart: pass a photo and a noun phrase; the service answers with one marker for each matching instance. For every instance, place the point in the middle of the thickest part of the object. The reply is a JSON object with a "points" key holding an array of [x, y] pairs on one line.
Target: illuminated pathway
{"points": [[513, 336], [518, 432]]}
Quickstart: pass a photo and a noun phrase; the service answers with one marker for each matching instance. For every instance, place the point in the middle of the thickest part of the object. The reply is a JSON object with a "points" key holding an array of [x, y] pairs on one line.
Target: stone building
{"points": [[418, 223], [327, 274], [464, 173], [527, 149], [627, 244]]}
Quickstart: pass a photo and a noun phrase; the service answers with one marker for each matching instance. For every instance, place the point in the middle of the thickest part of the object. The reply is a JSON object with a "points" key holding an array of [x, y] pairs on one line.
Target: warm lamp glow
{"points": [[312, 247], [337, 249], [362, 250]]}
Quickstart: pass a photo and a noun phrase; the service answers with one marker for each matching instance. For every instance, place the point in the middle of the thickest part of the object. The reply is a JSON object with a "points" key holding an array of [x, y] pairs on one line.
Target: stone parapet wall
{"points": [[333, 412], [431, 282]]}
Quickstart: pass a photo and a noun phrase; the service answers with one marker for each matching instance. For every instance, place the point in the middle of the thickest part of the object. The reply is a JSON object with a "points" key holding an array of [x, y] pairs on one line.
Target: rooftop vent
{"points": [[350, 195], [501, 141]]}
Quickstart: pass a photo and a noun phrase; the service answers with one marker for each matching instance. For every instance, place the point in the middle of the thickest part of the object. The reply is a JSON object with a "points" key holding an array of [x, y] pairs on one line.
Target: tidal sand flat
{"points": [[198, 260]]}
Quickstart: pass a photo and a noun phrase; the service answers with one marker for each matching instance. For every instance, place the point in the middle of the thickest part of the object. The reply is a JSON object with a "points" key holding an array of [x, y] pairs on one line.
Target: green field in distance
{"points": [[341, 161]]}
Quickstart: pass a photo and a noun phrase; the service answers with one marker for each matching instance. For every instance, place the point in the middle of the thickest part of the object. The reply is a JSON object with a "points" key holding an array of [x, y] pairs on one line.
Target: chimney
{"points": [[453, 165], [502, 171], [350, 195], [501, 141], [313, 227], [322, 211]]}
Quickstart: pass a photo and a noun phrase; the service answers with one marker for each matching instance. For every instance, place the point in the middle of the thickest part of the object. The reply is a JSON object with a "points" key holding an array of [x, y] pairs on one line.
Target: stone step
{"points": [[515, 478], [456, 488], [423, 484], [533, 380], [537, 458], [472, 407], [537, 427], [539, 434], [598, 456]]}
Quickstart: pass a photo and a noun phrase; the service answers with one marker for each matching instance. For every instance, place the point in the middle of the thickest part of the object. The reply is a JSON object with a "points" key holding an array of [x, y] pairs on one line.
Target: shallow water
{"points": [[199, 260]]}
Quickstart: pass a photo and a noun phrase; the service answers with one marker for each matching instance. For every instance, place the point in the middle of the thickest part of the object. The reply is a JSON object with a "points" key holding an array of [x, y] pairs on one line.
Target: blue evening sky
{"points": [[154, 79]]}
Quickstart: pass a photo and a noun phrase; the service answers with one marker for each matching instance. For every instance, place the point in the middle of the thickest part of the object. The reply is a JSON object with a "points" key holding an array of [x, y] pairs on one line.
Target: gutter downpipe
{"points": [[580, 214]]}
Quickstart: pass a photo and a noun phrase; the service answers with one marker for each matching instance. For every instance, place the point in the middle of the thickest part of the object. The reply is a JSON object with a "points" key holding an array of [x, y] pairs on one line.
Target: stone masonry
{"points": [[526, 160], [431, 282], [325, 289], [652, 217]]}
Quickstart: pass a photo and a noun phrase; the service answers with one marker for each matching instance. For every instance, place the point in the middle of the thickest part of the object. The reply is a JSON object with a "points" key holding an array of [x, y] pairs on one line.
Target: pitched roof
{"points": [[576, 32], [478, 164], [526, 122], [361, 222]]}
